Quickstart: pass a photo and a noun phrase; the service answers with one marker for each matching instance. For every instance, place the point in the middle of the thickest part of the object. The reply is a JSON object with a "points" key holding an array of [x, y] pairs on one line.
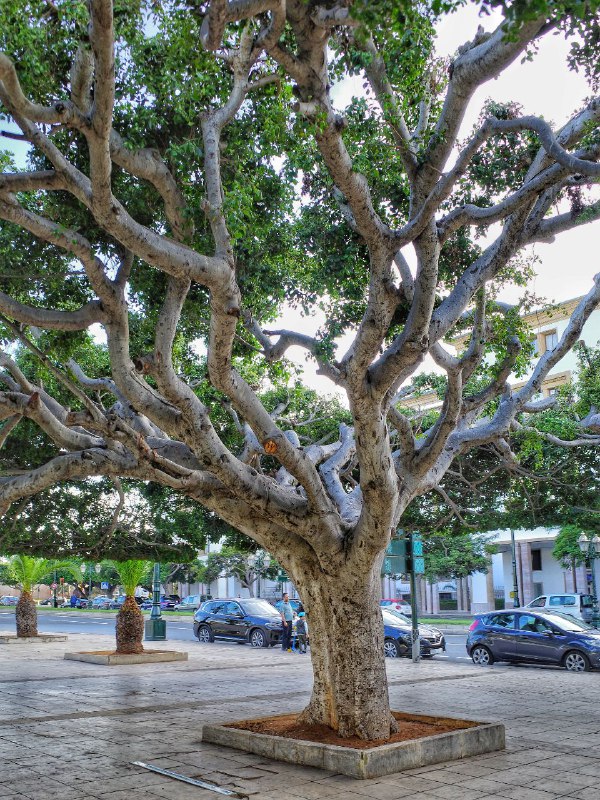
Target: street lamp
{"points": [[262, 562], [155, 628], [590, 546]]}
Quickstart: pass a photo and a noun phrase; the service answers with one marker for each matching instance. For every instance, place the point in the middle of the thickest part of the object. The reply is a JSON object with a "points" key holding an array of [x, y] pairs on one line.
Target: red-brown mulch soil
{"points": [[410, 726]]}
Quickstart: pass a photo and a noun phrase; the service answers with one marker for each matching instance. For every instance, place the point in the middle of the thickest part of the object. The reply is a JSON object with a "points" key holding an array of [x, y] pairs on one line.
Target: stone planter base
{"points": [[367, 763], [12, 638], [112, 659]]}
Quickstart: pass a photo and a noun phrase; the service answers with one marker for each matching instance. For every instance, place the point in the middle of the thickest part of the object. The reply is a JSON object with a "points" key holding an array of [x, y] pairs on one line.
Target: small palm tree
{"points": [[130, 620], [26, 572]]}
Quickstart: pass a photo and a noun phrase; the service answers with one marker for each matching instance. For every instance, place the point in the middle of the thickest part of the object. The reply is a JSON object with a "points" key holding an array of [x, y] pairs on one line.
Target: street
{"points": [[178, 629]]}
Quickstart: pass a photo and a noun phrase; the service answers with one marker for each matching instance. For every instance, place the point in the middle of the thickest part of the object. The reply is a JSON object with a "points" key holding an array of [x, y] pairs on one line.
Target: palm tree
{"points": [[26, 571], [130, 620]]}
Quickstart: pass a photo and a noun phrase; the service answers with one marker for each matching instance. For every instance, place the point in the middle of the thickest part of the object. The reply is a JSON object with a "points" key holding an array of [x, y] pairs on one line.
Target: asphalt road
{"points": [[178, 628]]}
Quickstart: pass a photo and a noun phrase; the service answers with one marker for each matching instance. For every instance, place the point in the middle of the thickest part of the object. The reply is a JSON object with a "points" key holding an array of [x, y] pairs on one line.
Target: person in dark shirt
{"points": [[301, 631]]}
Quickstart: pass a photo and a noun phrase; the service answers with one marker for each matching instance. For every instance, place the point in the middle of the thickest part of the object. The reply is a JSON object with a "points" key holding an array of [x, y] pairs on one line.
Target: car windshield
{"points": [[258, 607], [398, 614], [393, 619], [566, 622]]}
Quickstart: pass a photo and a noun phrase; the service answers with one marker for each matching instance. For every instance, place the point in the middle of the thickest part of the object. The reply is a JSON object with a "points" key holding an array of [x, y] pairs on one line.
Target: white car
{"points": [[397, 604], [189, 603]]}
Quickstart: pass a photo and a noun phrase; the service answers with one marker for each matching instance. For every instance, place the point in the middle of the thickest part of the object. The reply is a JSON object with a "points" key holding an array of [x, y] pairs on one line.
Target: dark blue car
{"points": [[397, 633], [541, 637], [253, 620]]}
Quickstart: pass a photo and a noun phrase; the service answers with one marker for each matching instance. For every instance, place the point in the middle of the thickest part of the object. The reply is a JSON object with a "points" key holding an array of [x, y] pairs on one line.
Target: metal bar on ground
{"points": [[212, 787]]}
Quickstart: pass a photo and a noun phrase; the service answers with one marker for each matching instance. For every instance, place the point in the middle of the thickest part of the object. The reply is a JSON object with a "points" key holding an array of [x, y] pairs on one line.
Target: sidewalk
{"points": [[71, 730]]}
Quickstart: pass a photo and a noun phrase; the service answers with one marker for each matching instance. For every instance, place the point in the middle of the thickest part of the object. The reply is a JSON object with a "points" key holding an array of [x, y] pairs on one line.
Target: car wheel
{"points": [[205, 634], [258, 638], [482, 656], [391, 649], [576, 662]]}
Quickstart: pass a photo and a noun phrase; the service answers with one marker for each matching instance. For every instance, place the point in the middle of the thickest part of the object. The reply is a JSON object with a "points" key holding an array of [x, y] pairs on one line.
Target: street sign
{"points": [[511, 595], [418, 565], [104, 585]]}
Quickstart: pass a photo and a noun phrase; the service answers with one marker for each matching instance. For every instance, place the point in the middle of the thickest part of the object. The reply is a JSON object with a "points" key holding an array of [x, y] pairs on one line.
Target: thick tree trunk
{"points": [[346, 643], [130, 628], [26, 615]]}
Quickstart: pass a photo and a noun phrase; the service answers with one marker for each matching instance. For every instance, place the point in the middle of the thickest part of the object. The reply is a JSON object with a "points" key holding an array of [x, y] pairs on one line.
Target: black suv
{"points": [[252, 620]]}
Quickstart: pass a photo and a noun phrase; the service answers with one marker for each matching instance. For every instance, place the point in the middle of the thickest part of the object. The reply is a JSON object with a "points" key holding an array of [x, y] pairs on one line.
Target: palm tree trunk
{"points": [[130, 628], [26, 616]]}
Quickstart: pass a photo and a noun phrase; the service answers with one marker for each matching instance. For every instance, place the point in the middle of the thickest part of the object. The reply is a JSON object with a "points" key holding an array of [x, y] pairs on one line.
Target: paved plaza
{"points": [[71, 730]]}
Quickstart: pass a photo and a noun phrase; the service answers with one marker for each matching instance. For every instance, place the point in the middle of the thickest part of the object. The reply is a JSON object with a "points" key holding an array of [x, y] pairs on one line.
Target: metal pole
{"points": [[516, 601], [593, 555], [155, 628], [416, 645], [90, 589], [156, 613], [55, 602]]}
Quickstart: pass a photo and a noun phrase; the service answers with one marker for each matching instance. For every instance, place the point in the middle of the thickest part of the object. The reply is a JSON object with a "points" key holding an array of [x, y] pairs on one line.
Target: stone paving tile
{"points": [[450, 792], [129, 714]]}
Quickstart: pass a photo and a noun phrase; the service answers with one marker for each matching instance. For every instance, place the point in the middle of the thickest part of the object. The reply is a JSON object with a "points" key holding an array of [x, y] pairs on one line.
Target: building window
{"points": [[538, 589], [550, 340], [536, 346], [536, 561]]}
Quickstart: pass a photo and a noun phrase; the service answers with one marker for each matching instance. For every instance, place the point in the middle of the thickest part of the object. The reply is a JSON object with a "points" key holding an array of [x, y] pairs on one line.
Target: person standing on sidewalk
{"points": [[301, 630], [287, 618]]}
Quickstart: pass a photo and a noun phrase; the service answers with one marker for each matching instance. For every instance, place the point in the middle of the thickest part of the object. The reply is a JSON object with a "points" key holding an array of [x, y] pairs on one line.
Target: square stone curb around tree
{"points": [[12, 638], [374, 762], [114, 659]]}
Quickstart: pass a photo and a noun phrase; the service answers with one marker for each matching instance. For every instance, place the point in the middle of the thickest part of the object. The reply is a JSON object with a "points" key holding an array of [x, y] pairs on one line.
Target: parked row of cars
{"points": [[258, 623], [8, 600]]}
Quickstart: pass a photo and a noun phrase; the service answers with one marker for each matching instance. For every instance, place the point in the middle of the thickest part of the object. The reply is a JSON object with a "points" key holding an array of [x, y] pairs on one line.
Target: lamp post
{"points": [[155, 628], [590, 546], [516, 601], [262, 562]]}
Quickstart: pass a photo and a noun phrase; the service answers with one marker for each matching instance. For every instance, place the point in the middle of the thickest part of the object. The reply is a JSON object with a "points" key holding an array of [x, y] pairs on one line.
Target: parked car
{"points": [[397, 604], [102, 601], [189, 603], [540, 637], [397, 637], [295, 604], [169, 601], [8, 600], [577, 605], [434, 636], [117, 602], [246, 620]]}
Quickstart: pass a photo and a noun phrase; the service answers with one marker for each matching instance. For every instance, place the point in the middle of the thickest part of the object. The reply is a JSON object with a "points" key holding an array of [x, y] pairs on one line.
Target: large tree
{"points": [[169, 140]]}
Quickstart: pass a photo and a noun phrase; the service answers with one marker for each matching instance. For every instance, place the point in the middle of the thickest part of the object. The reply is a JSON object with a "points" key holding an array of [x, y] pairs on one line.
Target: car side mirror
{"points": [[549, 634]]}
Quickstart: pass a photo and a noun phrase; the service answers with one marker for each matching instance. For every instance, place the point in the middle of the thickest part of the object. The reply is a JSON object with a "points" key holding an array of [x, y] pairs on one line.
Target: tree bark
{"points": [[26, 616], [130, 628], [346, 643]]}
